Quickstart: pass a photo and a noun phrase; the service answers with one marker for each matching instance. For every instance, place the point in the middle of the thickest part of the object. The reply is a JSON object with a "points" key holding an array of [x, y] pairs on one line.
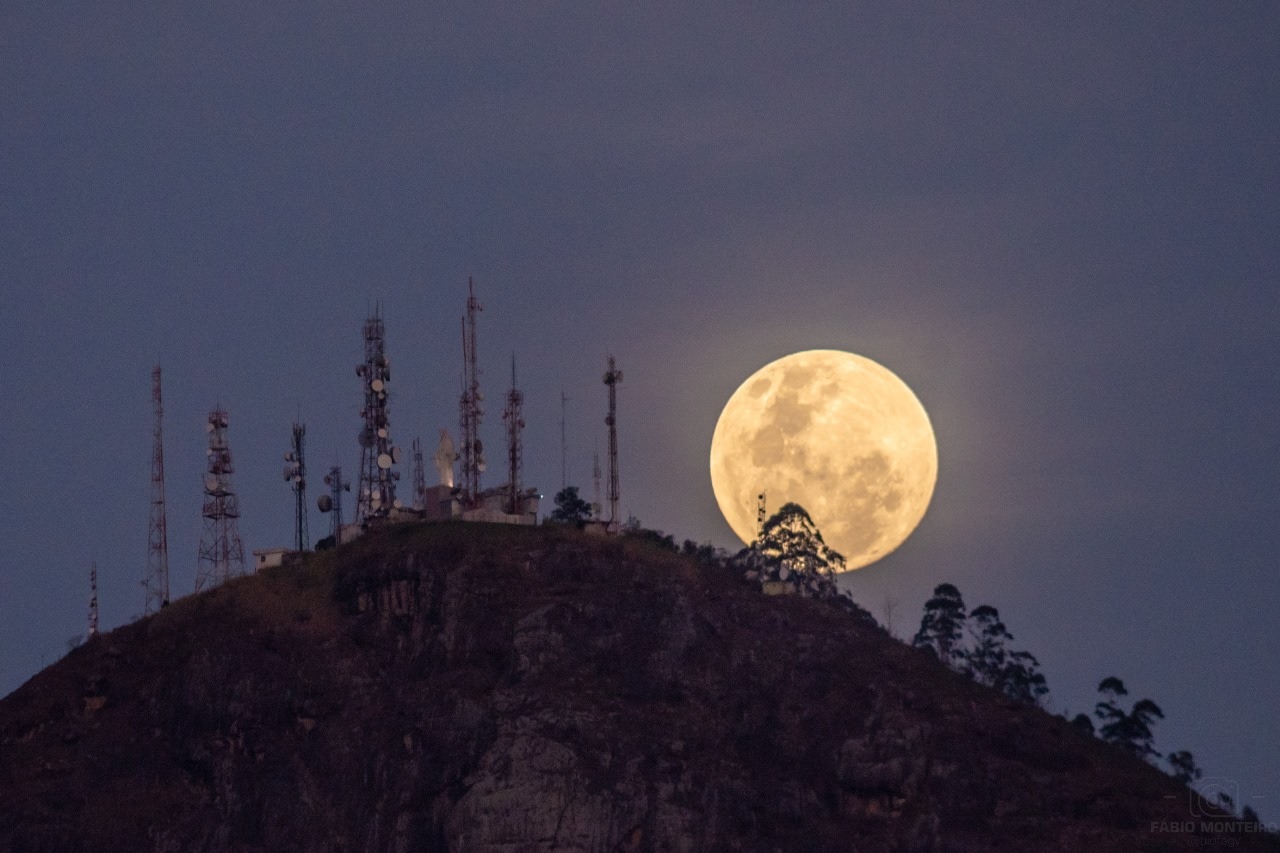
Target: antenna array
{"points": [[377, 493], [332, 502], [295, 473], [221, 554], [156, 582]]}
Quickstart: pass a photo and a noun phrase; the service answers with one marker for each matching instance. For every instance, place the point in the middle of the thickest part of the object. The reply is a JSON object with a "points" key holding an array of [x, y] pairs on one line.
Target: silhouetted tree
{"points": [[791, 550], [570, 509], [1183, 767], [940, 627], [1130, 730], [1083, 723]]}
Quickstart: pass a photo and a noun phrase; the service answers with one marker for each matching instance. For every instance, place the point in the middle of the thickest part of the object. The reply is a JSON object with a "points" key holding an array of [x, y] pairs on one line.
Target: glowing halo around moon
{"points": [[836, 433]]}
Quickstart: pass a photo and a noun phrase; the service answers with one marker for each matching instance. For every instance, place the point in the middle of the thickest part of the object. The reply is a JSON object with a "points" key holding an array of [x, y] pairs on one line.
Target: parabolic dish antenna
{"points": [[377, 385], [384, 461], [395, 455], [324, 503]]}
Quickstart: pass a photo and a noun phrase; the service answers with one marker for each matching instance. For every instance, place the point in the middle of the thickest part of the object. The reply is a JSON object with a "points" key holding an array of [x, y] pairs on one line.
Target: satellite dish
{"points": [[395, 455], [210, 483], [480, 466], [288, 457], [365, 438], [479, 446], [360, 369], [384, 461], [208, 427], [288, 472], [382, 432], [324, 503], [377, 385]]}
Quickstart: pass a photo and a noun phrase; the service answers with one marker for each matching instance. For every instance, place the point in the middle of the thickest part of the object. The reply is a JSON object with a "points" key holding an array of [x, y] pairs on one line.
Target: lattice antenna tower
{"points": [[377, 494], [332, 502], [612, 377], [514, 419], [93, 601], [295, 473], [470, 410], [156, 582], [221, 554], [419, 476], [760, 514]]}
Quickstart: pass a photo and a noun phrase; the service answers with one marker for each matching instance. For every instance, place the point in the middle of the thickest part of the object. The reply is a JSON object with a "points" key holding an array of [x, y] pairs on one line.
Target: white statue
{"points": [[444, 458]]}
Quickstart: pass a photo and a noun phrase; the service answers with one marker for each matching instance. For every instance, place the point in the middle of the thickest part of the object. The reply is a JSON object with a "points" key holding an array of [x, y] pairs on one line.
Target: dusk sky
{"points": [[1058, 223]]}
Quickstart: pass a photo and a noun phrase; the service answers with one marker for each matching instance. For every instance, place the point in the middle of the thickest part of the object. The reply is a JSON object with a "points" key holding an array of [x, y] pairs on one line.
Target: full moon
{"points": [[836, 433]]}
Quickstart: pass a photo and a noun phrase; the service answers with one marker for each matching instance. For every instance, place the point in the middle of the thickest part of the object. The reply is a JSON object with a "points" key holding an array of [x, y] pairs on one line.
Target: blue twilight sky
{"points": [[1058, 223]]}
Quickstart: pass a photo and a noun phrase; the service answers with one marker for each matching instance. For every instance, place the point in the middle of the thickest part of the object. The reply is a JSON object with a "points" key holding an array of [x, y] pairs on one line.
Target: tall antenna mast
{"points": [[295, 472], [612, 377], [221, 554], [471, 412], [595, 477], [332, 502], [760, 515], [93, 600], [377, 493], [514, 419], [419, 476], [564, 444], [156, 582]]}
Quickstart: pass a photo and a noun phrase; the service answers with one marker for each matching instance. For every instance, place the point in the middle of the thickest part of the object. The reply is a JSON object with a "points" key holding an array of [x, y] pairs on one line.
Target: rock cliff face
{"points": [[480, 688]]}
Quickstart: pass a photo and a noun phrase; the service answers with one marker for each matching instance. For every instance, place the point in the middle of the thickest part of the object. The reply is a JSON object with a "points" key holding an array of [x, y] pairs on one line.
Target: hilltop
{"points": [[472, 687]]}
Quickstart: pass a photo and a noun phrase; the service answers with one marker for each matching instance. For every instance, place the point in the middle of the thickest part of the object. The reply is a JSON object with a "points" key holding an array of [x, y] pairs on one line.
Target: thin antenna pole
{"points": [[760, 515], [514, 418], [469, 405], [611, 378], [419, 476], [156, 582]]}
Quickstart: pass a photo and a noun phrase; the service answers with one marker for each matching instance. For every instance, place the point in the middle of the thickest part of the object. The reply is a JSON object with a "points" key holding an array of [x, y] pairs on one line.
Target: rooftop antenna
{"points": [[760, 515], [514, 419], [377, 493], [419, 476], [221, 555], [564, 444], [295, 472], [93, 600], [156, 582], [332, 502], [612, 377], [471, 412]]}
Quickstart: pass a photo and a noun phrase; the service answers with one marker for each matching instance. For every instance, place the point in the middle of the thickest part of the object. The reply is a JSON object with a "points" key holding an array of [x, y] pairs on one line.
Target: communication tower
{"points": [[514, 419], [93, 601], [760, 515], [156, 582], [295, 472], [332, 502], [612, 377], [377, 493], [419, 475], [221, 551], [471, 412]]}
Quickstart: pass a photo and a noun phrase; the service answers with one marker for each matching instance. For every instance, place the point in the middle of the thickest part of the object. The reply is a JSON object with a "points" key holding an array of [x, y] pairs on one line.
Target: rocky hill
{"points": [[482, 688]]}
